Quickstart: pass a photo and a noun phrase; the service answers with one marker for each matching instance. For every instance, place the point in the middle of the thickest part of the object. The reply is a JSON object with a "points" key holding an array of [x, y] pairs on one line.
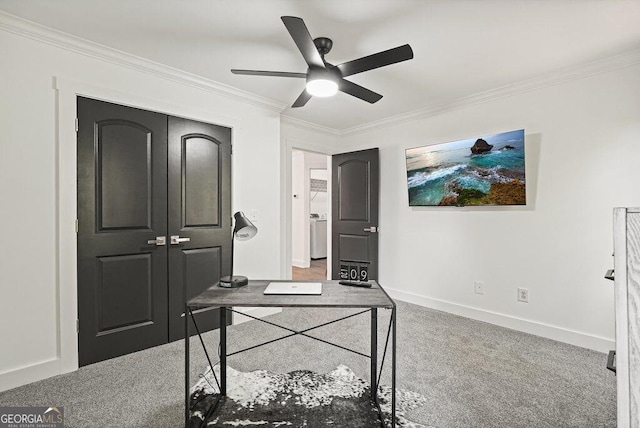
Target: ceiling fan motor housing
{"points": [[324, 45], [329, 73]]}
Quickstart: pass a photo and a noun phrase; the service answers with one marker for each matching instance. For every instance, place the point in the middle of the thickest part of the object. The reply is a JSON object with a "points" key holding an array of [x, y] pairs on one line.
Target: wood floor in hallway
{"points": [[317, 270]]}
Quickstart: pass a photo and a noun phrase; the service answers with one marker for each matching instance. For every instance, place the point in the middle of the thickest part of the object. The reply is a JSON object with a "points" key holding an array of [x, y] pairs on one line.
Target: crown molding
{"points": [[303, 124], [564, 75], [32, 30]]}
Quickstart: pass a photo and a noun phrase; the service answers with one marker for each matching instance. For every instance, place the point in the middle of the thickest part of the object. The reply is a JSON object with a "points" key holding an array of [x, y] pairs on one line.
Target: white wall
{"points": [[582, 159], [37, 324], [298, 220]]}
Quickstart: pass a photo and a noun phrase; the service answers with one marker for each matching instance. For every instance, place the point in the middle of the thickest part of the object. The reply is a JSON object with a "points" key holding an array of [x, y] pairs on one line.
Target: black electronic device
{"points": [[356, 284]]}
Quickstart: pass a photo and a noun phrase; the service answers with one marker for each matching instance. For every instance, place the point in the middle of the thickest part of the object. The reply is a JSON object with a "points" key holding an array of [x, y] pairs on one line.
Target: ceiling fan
{"points": [[325, 79]]}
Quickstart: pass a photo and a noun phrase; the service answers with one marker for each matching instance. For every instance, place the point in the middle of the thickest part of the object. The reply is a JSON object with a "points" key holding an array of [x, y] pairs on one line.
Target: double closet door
{"points": [[154, 225]]}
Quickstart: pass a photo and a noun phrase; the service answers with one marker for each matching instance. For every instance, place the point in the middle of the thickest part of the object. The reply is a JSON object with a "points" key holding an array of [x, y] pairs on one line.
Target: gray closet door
{"points": [[122, 206], [199, 215], [144, 177]]}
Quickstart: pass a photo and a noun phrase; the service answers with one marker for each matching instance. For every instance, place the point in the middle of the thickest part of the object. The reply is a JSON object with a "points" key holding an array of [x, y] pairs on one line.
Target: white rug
{"points": [[297, 399]]}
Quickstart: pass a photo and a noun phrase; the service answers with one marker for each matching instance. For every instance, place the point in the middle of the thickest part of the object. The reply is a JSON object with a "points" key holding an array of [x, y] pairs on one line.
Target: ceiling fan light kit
{"points": [[323, 82], [322, 87], [325, 79]]}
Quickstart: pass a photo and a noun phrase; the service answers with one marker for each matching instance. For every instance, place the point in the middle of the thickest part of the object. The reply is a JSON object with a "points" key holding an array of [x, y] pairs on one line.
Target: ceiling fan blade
{"points": [[301, 36], [268, 73], [302, 99], [380, 59], [358, 91]]}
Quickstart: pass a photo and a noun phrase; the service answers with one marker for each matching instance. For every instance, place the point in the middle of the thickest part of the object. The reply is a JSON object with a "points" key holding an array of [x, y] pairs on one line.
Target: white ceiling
{"points": [[461, 48]]}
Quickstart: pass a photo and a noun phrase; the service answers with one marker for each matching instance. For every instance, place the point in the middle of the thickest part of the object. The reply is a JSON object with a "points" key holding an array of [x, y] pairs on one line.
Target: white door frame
{"points": [[66, 194], [286, 195]]}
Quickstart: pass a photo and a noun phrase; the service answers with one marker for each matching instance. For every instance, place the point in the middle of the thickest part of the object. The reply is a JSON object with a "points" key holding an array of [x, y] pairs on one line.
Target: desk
{"points": [[333, 295]]}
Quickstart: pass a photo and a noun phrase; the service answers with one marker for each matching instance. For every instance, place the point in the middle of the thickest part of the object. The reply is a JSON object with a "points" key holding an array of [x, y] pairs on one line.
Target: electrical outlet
{"points": [[523, 295], [479, 287]]}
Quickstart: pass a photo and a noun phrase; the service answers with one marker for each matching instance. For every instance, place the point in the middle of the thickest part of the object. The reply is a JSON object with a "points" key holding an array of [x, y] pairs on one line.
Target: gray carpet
{"points": [[473, 374]]}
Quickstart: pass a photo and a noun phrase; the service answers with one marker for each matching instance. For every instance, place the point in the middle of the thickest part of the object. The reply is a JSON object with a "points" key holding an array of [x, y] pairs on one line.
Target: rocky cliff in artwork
{"points": [[481, 146], [510, 192]]}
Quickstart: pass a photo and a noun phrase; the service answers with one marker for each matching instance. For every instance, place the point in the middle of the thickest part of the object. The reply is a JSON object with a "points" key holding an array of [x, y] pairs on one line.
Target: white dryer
{"points": [[318, 238]]}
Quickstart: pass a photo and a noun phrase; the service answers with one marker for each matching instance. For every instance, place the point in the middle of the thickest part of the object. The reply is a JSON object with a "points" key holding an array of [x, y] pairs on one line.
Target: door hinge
{"points": [[78, 326], [77, 226], [77, 124], [231, 148]]}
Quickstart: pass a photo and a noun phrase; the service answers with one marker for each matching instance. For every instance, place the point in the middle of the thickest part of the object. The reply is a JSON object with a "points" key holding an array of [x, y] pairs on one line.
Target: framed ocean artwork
{"points": [[487, 170]]}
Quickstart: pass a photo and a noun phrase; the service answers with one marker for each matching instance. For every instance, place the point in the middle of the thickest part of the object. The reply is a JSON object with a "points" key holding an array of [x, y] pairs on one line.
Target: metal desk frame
{"points": [[215, 296]]}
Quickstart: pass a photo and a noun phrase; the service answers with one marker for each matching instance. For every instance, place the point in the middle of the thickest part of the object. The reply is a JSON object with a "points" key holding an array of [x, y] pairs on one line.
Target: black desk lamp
{"points": [[242, 231]]}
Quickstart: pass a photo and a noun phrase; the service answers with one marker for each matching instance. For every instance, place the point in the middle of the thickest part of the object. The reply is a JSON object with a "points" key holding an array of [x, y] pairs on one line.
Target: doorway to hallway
{"points": [[310, 213]]}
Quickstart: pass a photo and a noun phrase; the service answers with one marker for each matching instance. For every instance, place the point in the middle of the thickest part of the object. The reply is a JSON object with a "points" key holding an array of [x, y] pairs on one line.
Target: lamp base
{"points": [[233, 282]]}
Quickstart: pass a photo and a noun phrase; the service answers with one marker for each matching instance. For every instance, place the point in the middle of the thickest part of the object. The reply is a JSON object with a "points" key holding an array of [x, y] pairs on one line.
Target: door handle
{"points": [[160, 240], [175, 240], [371, 229]]}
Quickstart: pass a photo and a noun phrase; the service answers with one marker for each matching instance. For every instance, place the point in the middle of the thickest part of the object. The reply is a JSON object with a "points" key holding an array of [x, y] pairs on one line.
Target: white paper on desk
{"points": [[294, 288]]}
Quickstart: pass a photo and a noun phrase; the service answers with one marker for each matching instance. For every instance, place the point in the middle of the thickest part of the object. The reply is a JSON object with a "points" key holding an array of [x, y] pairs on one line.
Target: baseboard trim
{"points": [[560, 334], [254, 312], [28, 374], [46, 369], [300, 263]]}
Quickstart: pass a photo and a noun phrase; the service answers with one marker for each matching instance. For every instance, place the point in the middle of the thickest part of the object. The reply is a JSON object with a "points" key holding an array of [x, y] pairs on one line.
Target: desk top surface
{"points": [[333, 295]]}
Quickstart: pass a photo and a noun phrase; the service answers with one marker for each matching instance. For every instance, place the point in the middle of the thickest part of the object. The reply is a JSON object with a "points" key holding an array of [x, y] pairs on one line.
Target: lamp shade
{"points": [[243, 229]]}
